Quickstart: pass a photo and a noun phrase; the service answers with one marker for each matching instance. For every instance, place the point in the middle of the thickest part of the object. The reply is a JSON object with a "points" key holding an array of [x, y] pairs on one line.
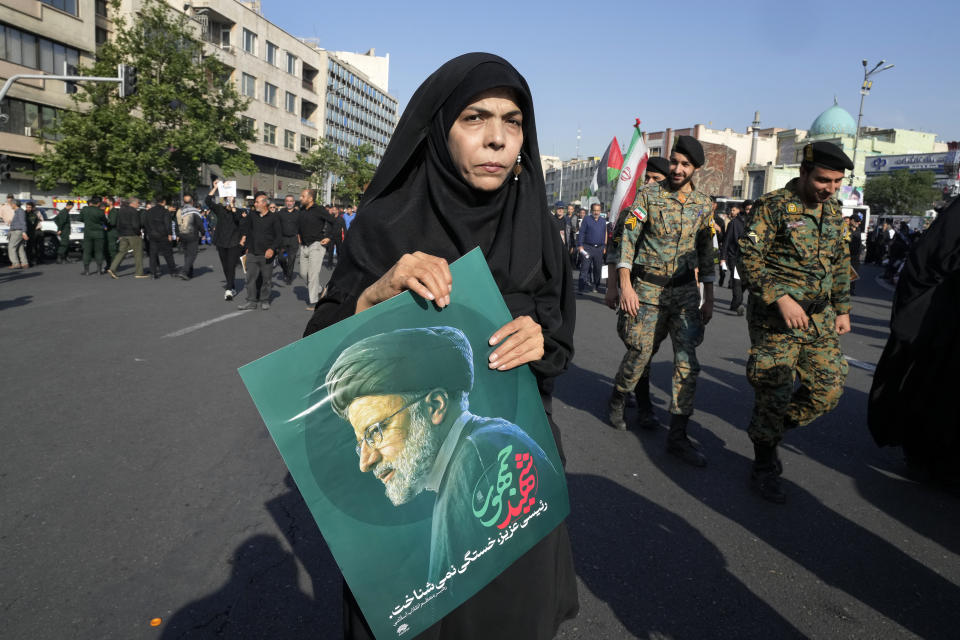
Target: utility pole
{"points": [[864, 92]]}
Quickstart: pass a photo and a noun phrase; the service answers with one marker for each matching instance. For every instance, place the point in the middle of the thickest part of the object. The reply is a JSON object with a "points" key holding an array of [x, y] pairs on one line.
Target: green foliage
{"points": [[901, 192], [357, 173], [320, 162], [185, 112]]}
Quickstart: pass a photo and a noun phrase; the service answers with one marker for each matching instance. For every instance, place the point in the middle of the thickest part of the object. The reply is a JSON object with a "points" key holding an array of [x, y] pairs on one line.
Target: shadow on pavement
{"points": [[15, 302], [659, 575], [838, 551], [263, 598]]}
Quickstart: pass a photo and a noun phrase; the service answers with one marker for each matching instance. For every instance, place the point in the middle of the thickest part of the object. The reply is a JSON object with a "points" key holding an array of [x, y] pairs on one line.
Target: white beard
{"points": [[414, 463]]}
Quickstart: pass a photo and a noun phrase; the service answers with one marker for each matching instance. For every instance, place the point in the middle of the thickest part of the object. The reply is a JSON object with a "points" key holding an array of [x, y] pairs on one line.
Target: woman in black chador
{"points": [[463, 171]]}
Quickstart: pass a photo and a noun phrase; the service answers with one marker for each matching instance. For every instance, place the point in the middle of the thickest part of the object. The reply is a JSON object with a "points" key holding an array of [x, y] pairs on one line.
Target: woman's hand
{"points": [[427, 276], [520, 340]]}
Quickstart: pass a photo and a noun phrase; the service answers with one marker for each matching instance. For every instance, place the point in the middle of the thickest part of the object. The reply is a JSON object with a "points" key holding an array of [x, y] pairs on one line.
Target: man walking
{"points": [[93, 235], [226, 237], [63, 232], [591, 243], [290, 225], [34, 237], [797, 267], [129, 230], [17, 244], [159, 233], [316, 225], [110, 233], [260, 238], [730, 256], [666, 238], [189, 224]]}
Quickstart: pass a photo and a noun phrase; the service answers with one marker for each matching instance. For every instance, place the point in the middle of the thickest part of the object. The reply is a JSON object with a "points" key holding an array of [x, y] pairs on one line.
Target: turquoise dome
{"points": [[833, 122]]}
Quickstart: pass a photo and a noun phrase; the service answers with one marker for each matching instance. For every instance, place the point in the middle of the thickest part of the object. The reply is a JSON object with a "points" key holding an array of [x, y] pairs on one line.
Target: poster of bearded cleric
{"points": [[427, 472]]}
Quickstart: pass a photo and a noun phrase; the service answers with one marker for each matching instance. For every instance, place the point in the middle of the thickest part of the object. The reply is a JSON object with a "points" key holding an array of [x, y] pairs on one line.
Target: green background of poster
{"points": [[383, 550]]}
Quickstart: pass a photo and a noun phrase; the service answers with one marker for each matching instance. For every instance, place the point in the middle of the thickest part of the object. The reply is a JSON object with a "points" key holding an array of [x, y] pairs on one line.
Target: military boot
{"points": [[618, 401], [765, 477], [645, 416], [679, 445]]}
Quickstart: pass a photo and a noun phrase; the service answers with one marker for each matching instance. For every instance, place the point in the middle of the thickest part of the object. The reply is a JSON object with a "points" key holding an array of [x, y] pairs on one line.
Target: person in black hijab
{"points": [[912, 400], [449, 182]]}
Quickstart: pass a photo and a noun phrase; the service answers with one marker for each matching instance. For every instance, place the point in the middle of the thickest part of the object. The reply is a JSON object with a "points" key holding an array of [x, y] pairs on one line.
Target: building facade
{"points": [[299, 93], [40, 37], [837, 126], [569, 182]]}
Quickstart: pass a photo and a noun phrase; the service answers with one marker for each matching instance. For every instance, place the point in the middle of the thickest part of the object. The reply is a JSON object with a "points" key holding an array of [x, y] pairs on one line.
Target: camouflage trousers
{"points": [[775, 361], [678, 315]]}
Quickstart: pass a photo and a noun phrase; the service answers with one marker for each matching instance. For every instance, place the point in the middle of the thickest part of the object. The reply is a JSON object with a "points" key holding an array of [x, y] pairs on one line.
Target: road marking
{"points": [[866, 366], [205, 323]]}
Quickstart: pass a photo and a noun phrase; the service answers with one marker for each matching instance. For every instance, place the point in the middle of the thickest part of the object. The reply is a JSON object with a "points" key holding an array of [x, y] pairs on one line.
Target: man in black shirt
{"points": [[160, 234], [316, 227], [290, 224], [730, 253], [129, 225], [261, 238], [226, 237]]}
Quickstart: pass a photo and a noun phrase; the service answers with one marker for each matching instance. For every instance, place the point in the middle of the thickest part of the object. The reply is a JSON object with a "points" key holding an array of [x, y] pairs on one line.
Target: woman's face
{"points": [[485, 139]]}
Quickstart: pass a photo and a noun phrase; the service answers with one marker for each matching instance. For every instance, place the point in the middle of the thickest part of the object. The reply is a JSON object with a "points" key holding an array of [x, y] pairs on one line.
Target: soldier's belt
{"points": [[661, 281], [811, 307]]}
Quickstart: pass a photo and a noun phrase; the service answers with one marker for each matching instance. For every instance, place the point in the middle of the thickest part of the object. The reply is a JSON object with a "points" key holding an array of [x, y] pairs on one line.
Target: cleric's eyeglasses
{"points": [[373, 435]]}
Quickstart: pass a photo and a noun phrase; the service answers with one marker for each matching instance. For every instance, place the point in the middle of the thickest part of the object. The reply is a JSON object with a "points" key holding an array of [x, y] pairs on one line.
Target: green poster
{"points": [[427, 472]]}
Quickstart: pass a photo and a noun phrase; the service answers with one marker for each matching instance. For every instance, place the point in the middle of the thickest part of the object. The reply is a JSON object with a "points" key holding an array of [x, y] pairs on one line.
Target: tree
{"points": [[901, 192], [357, 172], [320, 162], [185, 112]]}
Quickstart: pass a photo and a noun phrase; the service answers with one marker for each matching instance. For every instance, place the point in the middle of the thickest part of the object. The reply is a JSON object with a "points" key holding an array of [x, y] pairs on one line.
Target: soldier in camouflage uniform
{"points": [[657, 170], [797, 266], [666, 236]]}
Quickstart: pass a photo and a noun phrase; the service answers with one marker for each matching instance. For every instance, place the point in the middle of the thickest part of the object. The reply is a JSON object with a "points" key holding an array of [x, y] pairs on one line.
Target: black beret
{"points": [[690, 147], [659, 164], [827, 155], [401, 361]]}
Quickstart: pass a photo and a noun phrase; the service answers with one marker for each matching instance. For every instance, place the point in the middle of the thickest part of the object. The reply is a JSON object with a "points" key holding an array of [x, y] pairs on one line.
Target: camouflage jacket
{"points": [[667, 237], [613, 241], [788, 249]]}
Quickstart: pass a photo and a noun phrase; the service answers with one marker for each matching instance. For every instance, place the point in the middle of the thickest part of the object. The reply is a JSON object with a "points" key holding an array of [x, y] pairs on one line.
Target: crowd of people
{"points": [[253, 238]]}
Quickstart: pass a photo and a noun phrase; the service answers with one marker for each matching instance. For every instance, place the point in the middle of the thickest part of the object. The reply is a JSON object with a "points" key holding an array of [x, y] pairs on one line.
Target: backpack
{"points": [[185, 223]]}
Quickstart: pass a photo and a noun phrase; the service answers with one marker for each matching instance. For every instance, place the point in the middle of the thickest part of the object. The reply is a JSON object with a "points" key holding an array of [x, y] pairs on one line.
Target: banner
{"points": [[227, 189], [427, 472]]}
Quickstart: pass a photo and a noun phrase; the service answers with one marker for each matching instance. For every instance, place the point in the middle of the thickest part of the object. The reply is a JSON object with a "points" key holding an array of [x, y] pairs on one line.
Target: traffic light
{"points": [[4, 167], [128, 80], [69, 86]]}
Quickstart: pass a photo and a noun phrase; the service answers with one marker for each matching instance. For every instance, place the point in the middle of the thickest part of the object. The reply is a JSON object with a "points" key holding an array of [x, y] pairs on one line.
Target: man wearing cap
{"points": [[666, 238], [657, 170], [796, 264], [406, 395]]}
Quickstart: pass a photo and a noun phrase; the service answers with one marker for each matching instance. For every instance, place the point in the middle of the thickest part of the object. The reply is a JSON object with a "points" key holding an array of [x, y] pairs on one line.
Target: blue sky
{"points": [[598, 65]]}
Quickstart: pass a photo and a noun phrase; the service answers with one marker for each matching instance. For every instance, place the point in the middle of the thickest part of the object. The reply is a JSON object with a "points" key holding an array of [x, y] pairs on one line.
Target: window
{"points": [[100, 35], [29, 50], [24, 116], [249, 125], [272, 51], [249, 41], [269, 133], [306, 143], [289, 139], [100, 8], [269, 94], [70, 6], [248, 85], [291, 64], [291, 102]]}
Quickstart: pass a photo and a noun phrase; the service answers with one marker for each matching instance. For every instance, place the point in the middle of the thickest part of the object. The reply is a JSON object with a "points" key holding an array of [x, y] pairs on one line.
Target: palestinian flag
{"points": [[609, 167], [634, 167]]}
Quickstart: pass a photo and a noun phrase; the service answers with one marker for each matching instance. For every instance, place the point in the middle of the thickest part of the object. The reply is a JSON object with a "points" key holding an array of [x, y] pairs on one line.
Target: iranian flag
{"points": [[609, 167], [634, 167]]}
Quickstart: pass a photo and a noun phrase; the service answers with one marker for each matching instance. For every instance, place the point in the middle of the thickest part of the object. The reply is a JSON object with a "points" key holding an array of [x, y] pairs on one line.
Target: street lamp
{"points": [[864, 92]]}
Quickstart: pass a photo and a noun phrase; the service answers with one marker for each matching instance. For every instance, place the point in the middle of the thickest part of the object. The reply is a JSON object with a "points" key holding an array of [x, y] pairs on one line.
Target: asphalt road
{"points": [[138, 482]]}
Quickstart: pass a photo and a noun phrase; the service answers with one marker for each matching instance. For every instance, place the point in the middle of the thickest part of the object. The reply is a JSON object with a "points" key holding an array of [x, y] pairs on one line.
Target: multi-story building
{"points": [[569, 182], [39, 36], [299, 92]]}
